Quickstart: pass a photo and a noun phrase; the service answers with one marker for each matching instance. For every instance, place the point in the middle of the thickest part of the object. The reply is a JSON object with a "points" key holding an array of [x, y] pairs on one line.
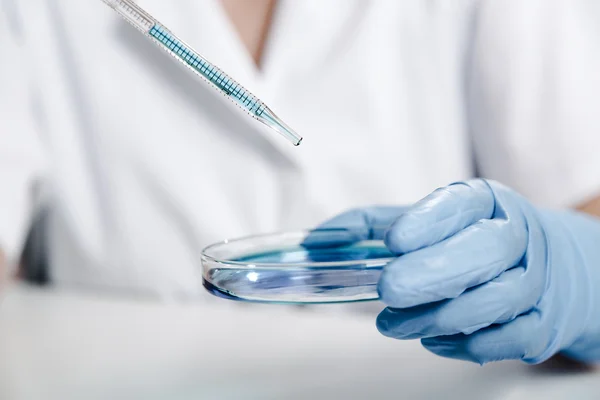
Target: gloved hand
{"points": [[484, 276]]}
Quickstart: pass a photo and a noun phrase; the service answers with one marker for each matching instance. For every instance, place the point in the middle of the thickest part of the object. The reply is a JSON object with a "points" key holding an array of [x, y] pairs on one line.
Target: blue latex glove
{"points": [[485, 276]]}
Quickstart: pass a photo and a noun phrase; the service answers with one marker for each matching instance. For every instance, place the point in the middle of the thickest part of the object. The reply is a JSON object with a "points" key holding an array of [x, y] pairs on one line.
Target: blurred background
{"points": [[118, 166]]}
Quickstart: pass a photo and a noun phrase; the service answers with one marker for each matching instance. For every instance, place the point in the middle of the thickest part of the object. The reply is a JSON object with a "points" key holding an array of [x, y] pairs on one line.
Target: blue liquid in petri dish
{"points": [[297, 284]]}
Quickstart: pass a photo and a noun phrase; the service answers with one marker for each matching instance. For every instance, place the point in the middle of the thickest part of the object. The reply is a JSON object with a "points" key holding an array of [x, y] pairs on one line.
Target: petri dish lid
{"points": [[322, 266]]}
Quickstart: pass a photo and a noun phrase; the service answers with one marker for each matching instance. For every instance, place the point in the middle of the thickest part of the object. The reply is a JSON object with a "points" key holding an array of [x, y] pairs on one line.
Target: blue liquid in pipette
{"points": [[316, 284], [227, 85]]}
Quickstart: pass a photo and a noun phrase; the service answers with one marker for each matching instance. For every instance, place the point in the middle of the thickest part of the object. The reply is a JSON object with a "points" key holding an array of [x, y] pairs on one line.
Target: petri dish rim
{"points": [[370, 262]]}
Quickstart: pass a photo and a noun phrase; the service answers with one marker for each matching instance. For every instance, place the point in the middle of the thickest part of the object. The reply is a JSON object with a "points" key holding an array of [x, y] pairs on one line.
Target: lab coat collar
{"points": [[307, 34]]}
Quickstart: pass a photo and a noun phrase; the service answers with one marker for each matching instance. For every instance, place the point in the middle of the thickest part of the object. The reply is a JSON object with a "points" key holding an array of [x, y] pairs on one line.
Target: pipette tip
{"points": [[269, 118]]}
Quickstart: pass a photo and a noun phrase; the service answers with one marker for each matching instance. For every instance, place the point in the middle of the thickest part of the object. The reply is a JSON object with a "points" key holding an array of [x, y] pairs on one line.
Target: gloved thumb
{"points": [[353, 226]]}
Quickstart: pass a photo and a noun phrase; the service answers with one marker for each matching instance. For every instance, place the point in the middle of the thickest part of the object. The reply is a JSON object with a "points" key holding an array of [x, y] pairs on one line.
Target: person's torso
{"points": [[151, 164]]}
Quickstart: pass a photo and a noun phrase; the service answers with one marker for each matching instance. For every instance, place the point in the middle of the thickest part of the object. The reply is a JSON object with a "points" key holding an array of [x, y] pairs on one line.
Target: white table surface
{"points": [[67, 345]]}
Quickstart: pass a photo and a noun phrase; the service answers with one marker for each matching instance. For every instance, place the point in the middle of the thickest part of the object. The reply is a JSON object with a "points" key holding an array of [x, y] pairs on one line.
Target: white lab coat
{"points": [[144, 164]]}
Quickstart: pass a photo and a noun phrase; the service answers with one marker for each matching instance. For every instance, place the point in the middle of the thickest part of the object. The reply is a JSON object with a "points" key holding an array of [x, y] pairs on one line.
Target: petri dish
{"points": [[324, 266]]}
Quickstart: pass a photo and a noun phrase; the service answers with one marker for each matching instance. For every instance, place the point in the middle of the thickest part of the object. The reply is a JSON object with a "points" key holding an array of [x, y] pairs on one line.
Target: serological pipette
{"points": [[149, 26]]}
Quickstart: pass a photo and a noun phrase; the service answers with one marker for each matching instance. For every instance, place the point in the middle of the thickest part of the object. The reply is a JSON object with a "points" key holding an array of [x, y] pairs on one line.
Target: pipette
{"points": [[153, 29]]}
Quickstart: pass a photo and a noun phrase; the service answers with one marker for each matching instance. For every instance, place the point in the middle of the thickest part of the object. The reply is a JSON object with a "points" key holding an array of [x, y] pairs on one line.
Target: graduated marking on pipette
{"points": [[208, 71]]}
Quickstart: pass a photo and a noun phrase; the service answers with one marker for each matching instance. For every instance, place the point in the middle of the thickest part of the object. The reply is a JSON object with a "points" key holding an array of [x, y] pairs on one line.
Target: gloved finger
{"points": [[501, 300], [440, 215], [352, 226], [521, 339], [473, 256]]}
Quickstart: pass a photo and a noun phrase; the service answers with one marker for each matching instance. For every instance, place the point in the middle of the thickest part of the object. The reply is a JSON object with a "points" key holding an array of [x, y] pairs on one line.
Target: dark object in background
{"points": [[34, 260]]}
